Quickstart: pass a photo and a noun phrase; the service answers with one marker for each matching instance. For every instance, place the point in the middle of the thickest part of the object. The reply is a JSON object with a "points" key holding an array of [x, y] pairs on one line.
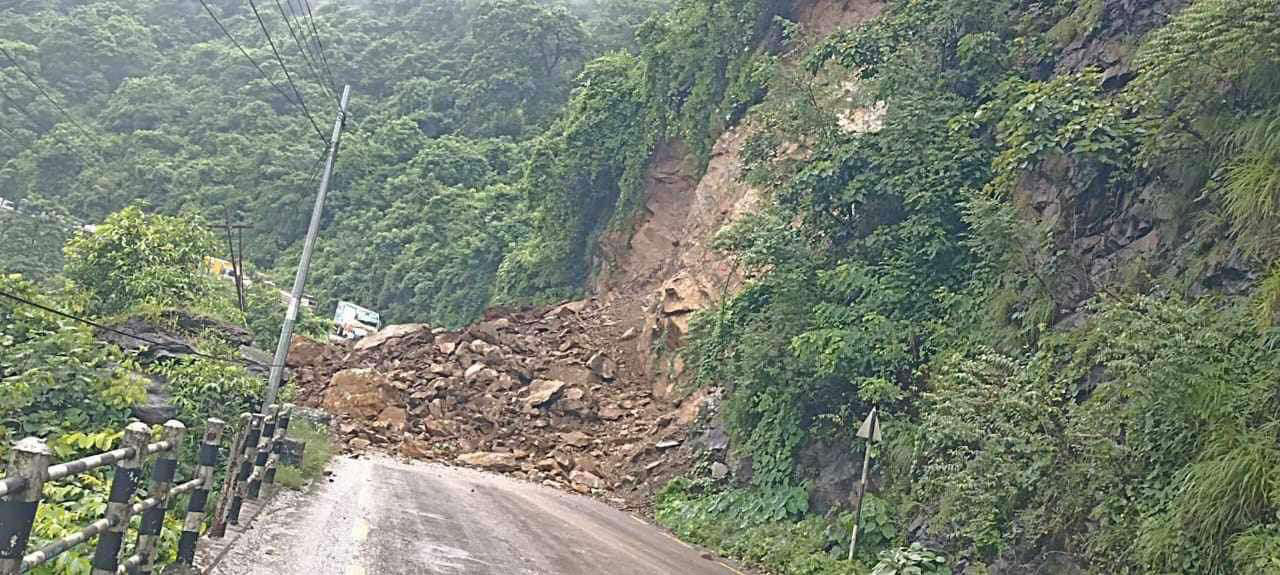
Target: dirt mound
{"points": [[552, 395]]}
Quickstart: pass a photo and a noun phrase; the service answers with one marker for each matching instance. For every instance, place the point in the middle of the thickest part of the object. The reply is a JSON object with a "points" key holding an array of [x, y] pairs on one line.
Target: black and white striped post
{"points": [[106, 557], [162, 474], [206, 462], [29, 466], [277, 443], [246, 468], [264, 452]]}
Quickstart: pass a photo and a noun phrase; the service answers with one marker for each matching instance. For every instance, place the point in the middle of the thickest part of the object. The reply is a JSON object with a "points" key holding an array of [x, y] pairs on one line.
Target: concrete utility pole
{"points": [[300, 280]]}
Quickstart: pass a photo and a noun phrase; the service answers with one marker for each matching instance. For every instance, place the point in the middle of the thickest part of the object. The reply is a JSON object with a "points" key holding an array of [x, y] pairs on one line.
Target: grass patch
{"points": [[744, 525], [315, 458]]}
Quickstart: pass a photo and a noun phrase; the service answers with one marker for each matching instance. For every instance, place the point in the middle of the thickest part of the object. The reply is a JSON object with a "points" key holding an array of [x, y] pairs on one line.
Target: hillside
{"points": [[673, 255]]}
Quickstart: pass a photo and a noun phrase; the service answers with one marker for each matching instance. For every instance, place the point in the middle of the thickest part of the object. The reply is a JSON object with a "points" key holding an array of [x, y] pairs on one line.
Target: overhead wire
{"points": [[255, 63], [43, 92], [315, 33], [302, 47], [89, 322], [47, 130], [288, 77]]}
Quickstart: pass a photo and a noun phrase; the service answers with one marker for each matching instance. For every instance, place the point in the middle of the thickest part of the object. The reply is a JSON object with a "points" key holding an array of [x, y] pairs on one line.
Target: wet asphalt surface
{"points": [[382, 517]]}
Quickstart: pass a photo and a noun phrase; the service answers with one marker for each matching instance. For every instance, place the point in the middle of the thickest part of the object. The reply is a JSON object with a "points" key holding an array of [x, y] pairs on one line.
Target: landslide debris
{"points": [[552, 395]]}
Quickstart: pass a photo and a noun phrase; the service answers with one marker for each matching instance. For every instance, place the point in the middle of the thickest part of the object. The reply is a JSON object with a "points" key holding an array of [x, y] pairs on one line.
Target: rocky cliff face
{"points": [[1102, 239]]}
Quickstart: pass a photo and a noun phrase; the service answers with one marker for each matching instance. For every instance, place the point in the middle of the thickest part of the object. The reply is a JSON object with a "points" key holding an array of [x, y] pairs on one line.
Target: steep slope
{"points": [[584, 395]]}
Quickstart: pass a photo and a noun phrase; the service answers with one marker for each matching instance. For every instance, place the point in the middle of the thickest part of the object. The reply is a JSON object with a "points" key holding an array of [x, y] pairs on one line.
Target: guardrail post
{"points": [[246, 468], [106, 558], [29, 460], [218, 527], [162, 474], [206, 462], [277, 443], [264, 451]]}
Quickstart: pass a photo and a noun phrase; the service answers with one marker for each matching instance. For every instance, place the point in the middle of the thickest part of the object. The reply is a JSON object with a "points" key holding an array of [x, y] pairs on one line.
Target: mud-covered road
{"points": [[382, 517]]}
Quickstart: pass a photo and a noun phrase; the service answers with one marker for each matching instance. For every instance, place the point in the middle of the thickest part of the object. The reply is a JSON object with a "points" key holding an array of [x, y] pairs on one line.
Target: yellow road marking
{"points": [[360, 532], [729, 567], [355, 570]]}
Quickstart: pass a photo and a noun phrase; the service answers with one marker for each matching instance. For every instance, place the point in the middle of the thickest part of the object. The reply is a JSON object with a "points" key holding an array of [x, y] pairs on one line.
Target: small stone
{"points": [[667, 444], [719, 471], [359, 443], [576, 439], [626, 335], [543, 391], [603, 366], [581, 477], [473, 371], [611, 413], [414, 449]]}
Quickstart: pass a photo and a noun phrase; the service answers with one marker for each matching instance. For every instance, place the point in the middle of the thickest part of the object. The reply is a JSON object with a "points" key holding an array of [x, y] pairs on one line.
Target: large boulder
{"points": [[490, 460], [543, 391], [305, 351], [158, 406], [359, 393], [392, 332]]}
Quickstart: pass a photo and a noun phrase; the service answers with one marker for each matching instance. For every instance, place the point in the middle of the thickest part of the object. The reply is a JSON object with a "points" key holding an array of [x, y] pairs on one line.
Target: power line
{"points": [[315, 33], [24, 301], [245, 53], [43, 130], [48, 97], [302, 50], [287, 76]]}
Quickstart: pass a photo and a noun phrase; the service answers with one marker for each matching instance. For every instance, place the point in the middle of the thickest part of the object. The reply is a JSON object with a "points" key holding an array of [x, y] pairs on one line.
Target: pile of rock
{"points": [[535, 394]]}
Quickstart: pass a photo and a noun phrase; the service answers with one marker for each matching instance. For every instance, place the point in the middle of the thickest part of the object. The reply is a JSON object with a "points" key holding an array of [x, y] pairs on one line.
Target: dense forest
{"points": [[112, 104], [1051, 264]]}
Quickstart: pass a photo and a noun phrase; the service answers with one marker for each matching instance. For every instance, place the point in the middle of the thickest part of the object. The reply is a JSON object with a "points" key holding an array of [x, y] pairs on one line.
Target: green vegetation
{"points": [[1037, 412], [315, 457], [451, 99], [61, 383], [1051, 264]]}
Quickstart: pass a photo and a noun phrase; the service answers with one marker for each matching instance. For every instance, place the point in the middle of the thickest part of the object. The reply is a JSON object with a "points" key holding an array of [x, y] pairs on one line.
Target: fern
{"points": [[1267, 303]]}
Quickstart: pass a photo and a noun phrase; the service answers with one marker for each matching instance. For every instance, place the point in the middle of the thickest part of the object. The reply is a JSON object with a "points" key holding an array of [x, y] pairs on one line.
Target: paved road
{"points": [[383, 517]]}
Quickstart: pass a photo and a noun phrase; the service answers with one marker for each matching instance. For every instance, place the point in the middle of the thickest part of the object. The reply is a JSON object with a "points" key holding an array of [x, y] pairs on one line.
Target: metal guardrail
{"points": [[29, 469]]}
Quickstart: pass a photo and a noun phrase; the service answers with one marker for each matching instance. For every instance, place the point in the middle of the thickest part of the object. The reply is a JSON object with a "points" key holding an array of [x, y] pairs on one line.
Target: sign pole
{"points": [[870, 431]]}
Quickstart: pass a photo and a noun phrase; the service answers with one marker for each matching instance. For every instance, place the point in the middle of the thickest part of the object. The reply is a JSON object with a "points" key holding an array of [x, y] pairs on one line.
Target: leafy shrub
{"points": [[760, 527], [315, 457], [55, 378], [988, 444], [134, 258], [204, 388], [913, 560]]}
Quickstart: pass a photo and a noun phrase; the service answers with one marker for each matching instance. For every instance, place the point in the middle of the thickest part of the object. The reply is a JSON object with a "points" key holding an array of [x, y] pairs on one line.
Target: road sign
{"points": [[869, 431], [870, 426]]}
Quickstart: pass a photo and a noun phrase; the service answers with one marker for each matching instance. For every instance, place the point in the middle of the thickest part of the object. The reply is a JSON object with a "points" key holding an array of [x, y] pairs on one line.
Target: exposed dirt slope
{"points": [[584, 395]]}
